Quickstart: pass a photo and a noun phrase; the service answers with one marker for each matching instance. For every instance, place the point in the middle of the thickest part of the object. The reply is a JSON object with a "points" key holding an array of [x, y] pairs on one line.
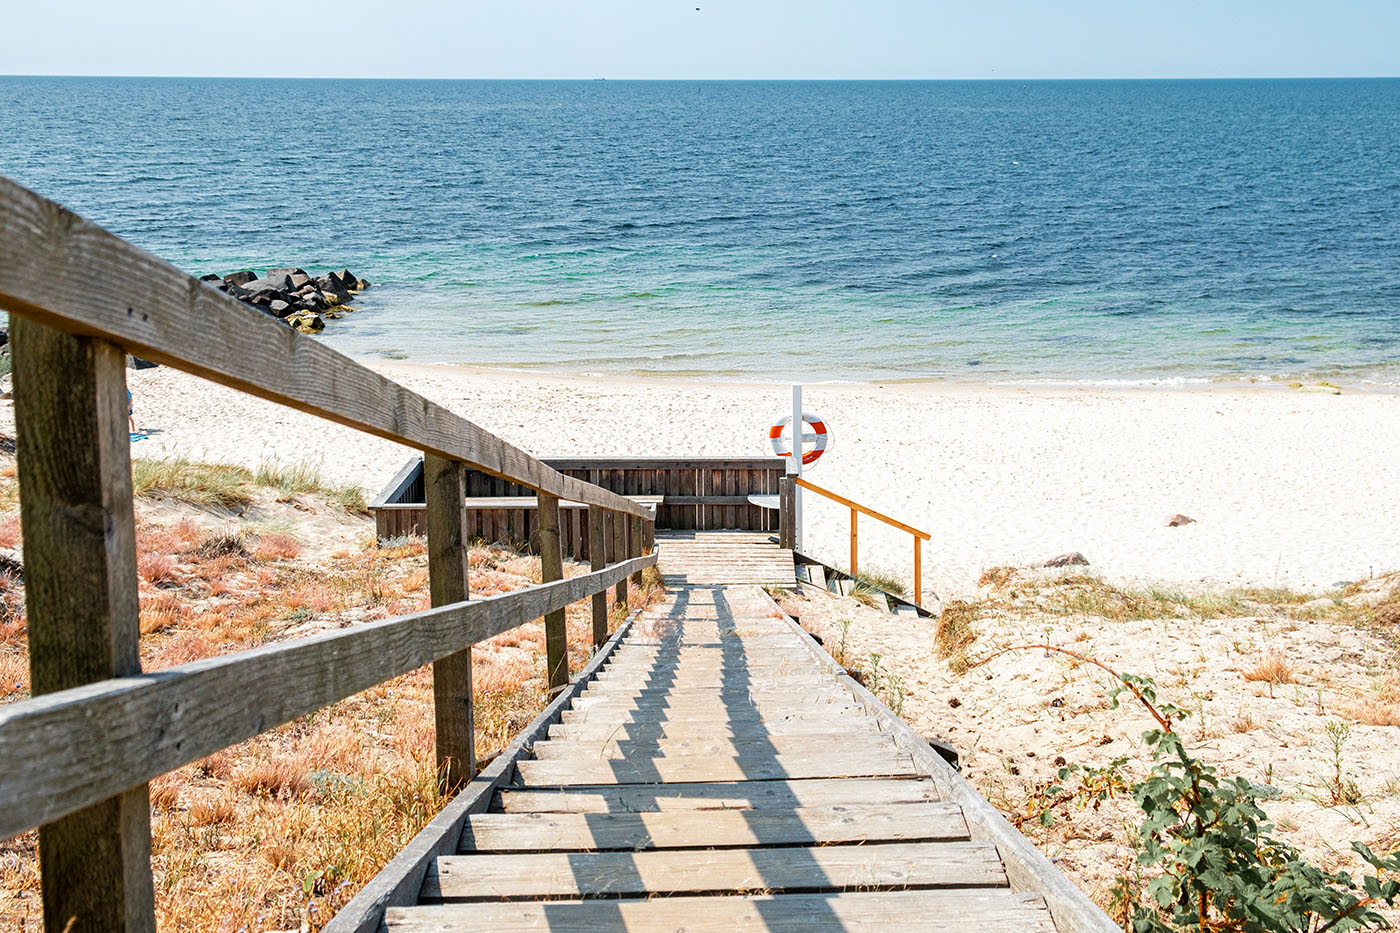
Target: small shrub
{"points": [[277, 547], [1204, 842], [155, 568], [1273, 668]]}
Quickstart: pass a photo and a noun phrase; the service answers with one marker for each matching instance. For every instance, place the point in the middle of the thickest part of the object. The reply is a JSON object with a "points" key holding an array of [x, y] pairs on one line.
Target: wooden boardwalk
{"points": [[688, 558], [717, 774]]}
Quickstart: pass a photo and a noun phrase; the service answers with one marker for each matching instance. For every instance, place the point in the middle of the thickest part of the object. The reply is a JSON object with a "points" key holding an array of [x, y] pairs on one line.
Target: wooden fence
{"points": [[76, 758], [689, 493]]}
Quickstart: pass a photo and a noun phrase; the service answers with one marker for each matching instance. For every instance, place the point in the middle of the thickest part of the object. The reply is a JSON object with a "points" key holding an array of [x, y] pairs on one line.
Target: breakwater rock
{"points": [[293, 295]]}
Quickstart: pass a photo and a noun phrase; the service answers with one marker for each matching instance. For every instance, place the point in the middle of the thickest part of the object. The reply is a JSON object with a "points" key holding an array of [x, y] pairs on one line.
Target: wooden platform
{"points": [[716, 774], [687, 558]]}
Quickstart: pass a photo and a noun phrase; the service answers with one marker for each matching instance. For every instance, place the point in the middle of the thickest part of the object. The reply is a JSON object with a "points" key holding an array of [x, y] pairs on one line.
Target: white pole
{"points": [[799, 428]]}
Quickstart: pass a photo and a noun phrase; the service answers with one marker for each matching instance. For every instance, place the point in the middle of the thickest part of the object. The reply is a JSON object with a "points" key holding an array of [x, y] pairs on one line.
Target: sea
{"points": [[1144, 232]]}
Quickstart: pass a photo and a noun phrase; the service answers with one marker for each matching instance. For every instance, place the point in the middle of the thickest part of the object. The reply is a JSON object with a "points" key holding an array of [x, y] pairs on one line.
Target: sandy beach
{"points": [[1287, 488]]}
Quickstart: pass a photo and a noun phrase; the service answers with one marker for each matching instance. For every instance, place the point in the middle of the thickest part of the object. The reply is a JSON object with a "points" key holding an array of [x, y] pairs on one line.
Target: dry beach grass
{"points": [[280, 831]]}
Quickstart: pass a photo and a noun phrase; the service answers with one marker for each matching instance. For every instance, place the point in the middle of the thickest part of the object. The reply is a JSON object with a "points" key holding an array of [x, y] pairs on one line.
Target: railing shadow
{"points": [[743, 723]]}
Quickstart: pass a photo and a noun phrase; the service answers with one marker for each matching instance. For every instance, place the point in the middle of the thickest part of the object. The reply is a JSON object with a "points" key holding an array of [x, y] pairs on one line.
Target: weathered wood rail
{"points": [[691, 493], [76, 758]]}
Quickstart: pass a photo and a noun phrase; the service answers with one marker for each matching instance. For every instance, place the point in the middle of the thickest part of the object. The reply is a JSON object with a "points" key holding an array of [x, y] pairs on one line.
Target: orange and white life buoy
{"points": [[819, 431]]}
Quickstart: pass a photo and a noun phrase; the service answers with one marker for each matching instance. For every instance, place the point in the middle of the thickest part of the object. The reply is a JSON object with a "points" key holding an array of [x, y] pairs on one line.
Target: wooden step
{"points": [[931, 911], [736, 729], [651, 713], [706, 768], [712, 829], [724, 795], [679, 871], [811, 743]]}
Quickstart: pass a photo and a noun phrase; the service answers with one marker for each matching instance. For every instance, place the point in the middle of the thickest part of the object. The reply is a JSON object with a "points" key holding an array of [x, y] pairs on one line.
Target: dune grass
{"points": [[228, 487]]}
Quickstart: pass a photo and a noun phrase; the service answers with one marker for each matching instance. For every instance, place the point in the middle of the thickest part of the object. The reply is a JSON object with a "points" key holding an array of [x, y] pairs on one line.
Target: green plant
{"points": [[1343, 789], [1206, 842], [842, 649], [883, 580], [889, 687]]}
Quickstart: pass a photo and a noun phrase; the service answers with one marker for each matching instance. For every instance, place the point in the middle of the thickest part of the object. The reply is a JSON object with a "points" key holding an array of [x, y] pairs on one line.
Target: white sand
{"points": [[1288, 487]]}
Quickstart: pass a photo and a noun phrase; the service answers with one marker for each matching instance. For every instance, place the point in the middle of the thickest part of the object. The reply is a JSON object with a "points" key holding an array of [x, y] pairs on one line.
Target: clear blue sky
{"points": [[721, 39]]}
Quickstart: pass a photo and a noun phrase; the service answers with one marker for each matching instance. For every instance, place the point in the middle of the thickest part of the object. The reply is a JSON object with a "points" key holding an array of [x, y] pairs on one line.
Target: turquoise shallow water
{"points": [[1134, 231]]}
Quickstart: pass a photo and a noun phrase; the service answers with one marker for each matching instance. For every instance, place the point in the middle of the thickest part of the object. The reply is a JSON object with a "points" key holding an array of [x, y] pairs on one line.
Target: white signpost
{"points": [[789, 436]]}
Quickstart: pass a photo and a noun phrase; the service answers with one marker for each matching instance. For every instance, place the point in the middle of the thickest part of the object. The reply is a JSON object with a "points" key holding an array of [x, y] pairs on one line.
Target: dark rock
{"points": [[237, 291], [349, 278], [286, 273], [313, 301], [241, 278], [272, 283], [298, 279], [210, 278], [263, 299], [1176, 521], [280, 307], [1072, 559], [334, 290], [308, 322]]}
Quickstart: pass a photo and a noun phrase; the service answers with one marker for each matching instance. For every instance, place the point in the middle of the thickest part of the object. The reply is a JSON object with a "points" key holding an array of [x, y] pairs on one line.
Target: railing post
{"points": [[619, 553], [556, 648], [787, 506], [444, 490], [637, 547], [597, 559], [82, 602], [918, 574], [854, 516]]}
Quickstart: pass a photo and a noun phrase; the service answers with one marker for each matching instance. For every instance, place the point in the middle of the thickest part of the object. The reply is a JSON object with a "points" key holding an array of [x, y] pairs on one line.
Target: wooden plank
{"points": [[595, 730], [399, 882], [556, 643], [530, 502], [726, 695], [706, 768], [948, 911], [707, 829], [770, 702], [443, 484], [391, 495], [636, 548], [664, 871], [787, 511], [701, 743], [730, 795], [69, 749], [619, 552], [83, 611], [597, 555], [50, 256]]}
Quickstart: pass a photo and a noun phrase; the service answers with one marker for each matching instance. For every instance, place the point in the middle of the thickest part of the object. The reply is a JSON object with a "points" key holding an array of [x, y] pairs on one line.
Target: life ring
{"points": [[823, 437]]}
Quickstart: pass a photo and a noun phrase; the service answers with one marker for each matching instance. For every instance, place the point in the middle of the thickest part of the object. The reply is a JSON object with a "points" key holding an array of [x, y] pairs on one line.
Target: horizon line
{"points": [[250, 77]]}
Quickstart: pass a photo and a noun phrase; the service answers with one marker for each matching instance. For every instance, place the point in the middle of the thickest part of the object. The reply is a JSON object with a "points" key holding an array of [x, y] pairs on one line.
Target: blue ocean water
{"points": [[988, 231]]}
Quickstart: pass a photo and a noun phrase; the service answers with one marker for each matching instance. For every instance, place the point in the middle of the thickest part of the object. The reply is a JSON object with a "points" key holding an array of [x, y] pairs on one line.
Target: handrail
{"points": [[863, 509], [67, 750], [70, 274], [78, 754], [857, 508]]}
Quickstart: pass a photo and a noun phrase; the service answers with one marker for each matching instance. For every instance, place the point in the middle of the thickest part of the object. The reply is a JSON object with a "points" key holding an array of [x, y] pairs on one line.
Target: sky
{"points": [[704, 39]]}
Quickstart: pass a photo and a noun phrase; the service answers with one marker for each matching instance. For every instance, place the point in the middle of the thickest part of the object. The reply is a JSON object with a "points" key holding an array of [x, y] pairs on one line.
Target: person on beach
{"points": [[130, 417]]}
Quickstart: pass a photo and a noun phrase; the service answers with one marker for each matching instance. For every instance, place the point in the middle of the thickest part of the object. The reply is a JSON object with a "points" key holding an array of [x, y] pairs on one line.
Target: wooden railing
{"points": [[76, 758], [786, 508]]}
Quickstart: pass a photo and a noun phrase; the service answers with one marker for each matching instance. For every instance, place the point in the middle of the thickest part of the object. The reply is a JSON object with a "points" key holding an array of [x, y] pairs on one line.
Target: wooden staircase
{"points": [[716, 774]]}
